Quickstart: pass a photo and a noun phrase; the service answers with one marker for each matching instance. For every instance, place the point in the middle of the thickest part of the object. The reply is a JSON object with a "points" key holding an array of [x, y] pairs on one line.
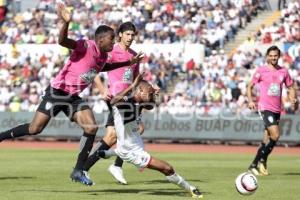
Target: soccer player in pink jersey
{"points": [[88, 58], [118, 80], [270, 78]]}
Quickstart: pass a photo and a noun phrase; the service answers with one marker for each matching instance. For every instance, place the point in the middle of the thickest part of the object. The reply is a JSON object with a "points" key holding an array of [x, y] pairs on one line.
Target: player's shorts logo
{"points": [[270, 119], [48, 105]]}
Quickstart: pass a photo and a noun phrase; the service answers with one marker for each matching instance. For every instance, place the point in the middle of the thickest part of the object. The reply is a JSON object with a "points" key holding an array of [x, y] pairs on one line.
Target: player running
{"points": [[118, 80], [126, 108], [87, 59], [270, 79]]}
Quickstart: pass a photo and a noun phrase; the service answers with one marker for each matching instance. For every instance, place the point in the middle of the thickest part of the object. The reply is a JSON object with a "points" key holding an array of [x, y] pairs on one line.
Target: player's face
{"points": [[106, 42], [127, 37], [147, 94], [273, 57]]}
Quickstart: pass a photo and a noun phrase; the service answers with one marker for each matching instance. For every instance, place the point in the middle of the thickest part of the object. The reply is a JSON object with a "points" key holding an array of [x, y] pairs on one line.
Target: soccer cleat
{"points": [[254, 171], [117, 173], [196, 194], [81, 177], [262, 169]]}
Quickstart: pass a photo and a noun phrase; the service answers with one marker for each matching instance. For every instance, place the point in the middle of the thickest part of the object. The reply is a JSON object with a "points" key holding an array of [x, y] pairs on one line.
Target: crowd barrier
{"points": [[173, 127]]}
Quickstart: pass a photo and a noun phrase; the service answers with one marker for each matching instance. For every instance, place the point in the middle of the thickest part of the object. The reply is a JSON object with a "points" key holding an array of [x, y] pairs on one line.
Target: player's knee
{"points": [[91, 129], [110, 136], [275, 137], [35, 130]]}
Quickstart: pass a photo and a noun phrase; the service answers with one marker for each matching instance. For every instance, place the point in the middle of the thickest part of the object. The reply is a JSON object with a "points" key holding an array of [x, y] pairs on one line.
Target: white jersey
{"points": [[130, 146]]}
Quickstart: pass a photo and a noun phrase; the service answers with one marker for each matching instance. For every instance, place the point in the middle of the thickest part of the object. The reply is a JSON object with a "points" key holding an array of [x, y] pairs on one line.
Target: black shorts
{"points": [[270, 118], [131, 112], [110, 117], [56, 100]]}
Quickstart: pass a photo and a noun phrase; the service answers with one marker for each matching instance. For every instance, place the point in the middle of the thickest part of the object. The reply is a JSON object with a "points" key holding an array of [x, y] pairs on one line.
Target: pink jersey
{"points": [[85, 62], [270, 83], [121, 78]]}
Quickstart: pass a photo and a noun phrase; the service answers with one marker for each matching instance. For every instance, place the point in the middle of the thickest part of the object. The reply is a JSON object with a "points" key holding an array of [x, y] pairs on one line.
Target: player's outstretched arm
{"points": [[251, 103], [102, 89], [116, 65], [65, 16], [121, 96]]}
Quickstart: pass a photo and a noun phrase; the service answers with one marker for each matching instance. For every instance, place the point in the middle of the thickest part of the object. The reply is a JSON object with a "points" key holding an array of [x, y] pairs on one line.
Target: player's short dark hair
{"points": [[144, 84], [273, 48], [126, 26], [103, 29]]}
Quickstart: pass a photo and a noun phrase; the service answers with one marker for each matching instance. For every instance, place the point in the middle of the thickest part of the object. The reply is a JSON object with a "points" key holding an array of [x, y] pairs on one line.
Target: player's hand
{"points": [[106, 96], [141, 128], [138, 79], [63, 12], [251, 105], [138, 58]]}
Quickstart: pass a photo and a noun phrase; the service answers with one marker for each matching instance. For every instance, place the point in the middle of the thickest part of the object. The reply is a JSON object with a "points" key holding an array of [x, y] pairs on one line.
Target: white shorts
{"points": [[130, 146], [140, 159]]}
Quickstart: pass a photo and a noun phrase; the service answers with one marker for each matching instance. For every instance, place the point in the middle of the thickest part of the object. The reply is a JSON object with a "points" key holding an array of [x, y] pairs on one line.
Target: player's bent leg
{"points": [[173, 177], [37, 125], [274, 134], [108, 140], [85, 119], [95, 155], [253, 168], [110, 136]]}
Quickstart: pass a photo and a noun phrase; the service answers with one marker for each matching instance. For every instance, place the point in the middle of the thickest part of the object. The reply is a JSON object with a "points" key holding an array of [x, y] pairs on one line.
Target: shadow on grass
{"points": [[167, 182], [16, 177], [292, 174], [156, 192]]}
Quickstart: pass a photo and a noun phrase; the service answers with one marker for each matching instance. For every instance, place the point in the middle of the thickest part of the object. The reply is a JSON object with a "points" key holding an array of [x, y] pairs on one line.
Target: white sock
{"points": [[178, 180]]}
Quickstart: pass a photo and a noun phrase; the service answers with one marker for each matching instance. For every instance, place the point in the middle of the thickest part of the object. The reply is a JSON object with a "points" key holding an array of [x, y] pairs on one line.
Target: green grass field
{"points": [[44, 174]]}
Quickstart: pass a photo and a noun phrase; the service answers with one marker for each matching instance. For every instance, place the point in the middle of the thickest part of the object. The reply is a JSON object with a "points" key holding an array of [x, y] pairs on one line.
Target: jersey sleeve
{"points": [[81, 46], [256, 77]]}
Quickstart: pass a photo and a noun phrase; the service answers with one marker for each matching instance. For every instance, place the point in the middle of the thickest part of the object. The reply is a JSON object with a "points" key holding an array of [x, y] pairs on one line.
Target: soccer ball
{"points": [[246, 183]]}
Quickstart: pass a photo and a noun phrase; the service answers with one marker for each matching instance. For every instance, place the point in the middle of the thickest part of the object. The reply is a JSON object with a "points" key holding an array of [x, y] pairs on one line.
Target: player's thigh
{"points": [[160, 165], [38, 123], [110, 136], [86, 120], [271, 121]]}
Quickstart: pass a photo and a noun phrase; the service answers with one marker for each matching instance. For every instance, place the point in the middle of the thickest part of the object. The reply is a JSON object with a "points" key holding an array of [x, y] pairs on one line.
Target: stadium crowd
{"points": [[191, 21], [216, 85]]}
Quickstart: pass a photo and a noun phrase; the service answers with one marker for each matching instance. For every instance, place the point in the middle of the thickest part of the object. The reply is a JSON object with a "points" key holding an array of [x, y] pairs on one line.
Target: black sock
{"points": [[86, 144], [15, 132], [119, 162], [258, 156], [267, 150], [94, 157]]}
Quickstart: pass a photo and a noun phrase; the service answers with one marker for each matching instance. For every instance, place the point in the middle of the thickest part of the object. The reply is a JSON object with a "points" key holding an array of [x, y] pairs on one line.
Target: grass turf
{"points": [[44, 175]]}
